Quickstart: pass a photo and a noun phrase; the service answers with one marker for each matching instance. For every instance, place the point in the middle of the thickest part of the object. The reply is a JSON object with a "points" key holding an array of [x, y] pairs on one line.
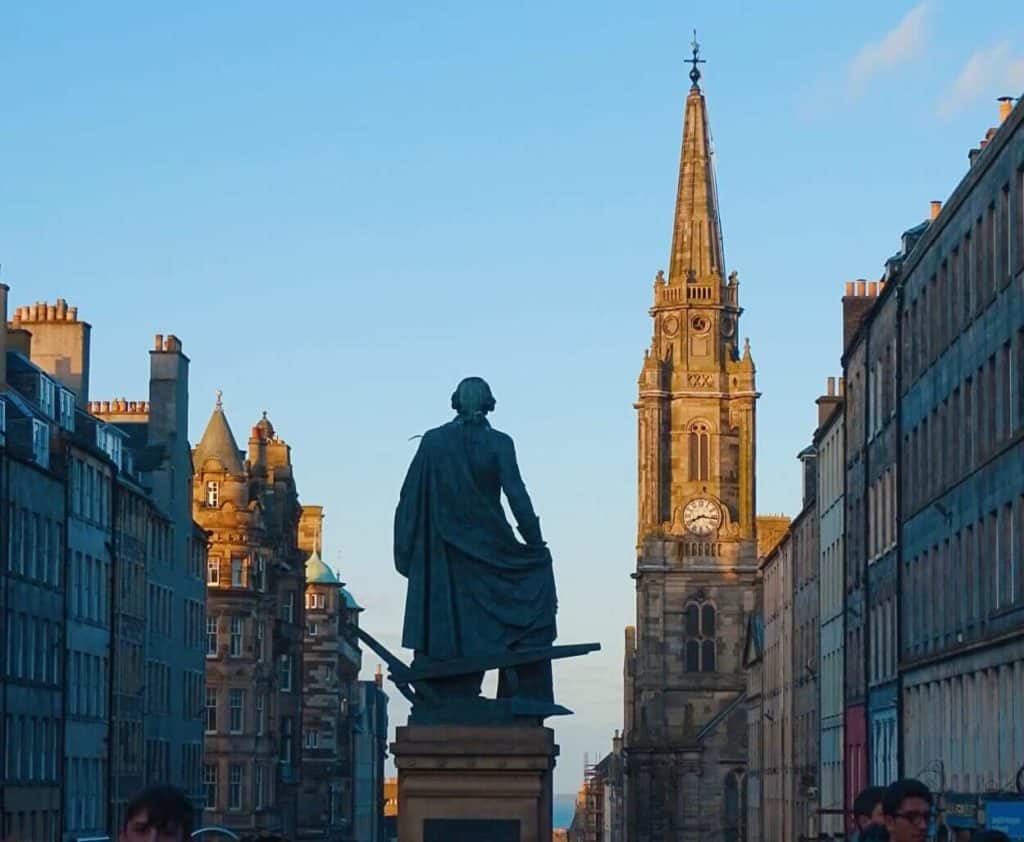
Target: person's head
{"points": [[867, 807], [158, 814], [472, 399], [991, 836], [907, 806]]}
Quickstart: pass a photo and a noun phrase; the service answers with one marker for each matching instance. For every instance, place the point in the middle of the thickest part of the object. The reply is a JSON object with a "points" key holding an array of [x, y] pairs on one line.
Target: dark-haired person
{"points": [[158, 814], [867, 809], [907, 807]]}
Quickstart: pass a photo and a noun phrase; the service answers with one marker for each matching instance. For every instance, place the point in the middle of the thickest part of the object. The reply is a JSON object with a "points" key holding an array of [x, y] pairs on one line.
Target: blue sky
{"points": [[343, 208]]}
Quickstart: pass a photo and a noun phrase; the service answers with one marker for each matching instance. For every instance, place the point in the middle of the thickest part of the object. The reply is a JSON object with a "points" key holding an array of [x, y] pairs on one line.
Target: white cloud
{"points": [[902, 43], [993, 71]]}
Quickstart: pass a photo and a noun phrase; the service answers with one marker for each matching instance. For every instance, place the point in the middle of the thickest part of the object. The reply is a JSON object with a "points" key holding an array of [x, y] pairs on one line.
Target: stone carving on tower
{"points": [[696, 572]]}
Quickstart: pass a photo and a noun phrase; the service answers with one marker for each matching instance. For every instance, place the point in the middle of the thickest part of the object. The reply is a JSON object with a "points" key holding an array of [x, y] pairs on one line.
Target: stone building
{"points": [[685, 729], [871, 310], [805, 775], [330, 672], [961, 417], [32, 682], [828, 442], [254, 623], [160, 604], [82, 641], [370, 744], [856, 304], [776, 772]]}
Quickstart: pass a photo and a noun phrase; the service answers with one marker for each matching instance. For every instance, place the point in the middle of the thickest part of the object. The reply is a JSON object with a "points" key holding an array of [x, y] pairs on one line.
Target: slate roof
{"points": [[218, 442]]}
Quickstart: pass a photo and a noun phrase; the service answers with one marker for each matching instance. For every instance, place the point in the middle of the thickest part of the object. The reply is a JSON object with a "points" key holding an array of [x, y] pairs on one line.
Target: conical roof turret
{"points": [[218, 442], [697, 253]]}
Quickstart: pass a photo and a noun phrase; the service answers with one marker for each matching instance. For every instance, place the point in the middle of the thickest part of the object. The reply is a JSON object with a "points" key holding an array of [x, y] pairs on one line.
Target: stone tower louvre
{"points": [[696, 572]]}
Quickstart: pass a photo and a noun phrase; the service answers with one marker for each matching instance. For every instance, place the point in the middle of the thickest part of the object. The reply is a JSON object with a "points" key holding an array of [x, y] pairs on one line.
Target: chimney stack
{"points": [[60, 344], [936, 208], [856, 304], [1005, 108], [828, 402]]}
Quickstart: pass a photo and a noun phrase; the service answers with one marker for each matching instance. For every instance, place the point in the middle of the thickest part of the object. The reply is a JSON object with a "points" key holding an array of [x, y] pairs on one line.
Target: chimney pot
{"points": [[51, 312], [1005, 107], [831, 387], [872, 289], [849, 289], [842, 386], [72, 314], [159, 342], [861, 289], [936, 208]]}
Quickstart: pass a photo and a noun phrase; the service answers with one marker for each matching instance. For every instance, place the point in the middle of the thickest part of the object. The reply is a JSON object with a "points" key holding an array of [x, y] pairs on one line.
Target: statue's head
{"points": [[472, 399]]}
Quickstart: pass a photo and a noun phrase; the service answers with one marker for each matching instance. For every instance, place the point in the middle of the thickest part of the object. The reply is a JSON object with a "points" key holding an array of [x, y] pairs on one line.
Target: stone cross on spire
{"points": [[694, 70]]}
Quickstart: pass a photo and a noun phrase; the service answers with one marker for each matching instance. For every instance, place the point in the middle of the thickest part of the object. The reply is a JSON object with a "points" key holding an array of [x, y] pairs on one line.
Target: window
{"points": [[259, 566], [700, 450], [212, 494], [235, 645], [211, 637], [67, 410], [236, 700], [47, 390], [260, 788], [237, 573], [700, 649], [312, 629], [235, 786], [285, 673], [288, 607], [261, 632], [286, 739], [213, 571], [311, 738], [261, 713], [211, 710], [41, 442]]}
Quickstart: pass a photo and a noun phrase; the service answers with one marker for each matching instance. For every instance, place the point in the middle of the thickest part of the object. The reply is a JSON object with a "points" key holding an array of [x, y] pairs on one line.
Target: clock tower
{"points": [[696, 567]]}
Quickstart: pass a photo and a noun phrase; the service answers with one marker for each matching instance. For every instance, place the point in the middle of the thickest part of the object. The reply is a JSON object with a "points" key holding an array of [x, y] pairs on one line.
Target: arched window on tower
{"points": [[700, 451], [701, 646], [734, 807]]}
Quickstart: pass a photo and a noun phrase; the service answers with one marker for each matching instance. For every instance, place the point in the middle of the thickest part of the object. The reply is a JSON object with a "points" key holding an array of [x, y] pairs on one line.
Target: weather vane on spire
{"points": [[695, 71], [220, 395]]}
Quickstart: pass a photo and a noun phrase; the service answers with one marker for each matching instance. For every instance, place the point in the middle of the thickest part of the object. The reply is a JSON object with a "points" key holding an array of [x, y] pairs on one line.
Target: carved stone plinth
{"points": [[462, 784]]}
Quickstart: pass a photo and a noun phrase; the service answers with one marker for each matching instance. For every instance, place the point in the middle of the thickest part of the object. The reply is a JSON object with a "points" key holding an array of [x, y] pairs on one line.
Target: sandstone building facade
{"points": [[254, 628], [696, 572]]}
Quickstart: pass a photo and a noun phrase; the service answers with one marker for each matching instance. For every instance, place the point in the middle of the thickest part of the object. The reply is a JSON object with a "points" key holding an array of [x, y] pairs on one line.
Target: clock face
{"points": [[702, 516]]}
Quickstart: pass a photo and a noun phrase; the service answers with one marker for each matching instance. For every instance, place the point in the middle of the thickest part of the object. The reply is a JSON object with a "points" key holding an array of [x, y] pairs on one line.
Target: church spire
{"points": [[697, 235]]}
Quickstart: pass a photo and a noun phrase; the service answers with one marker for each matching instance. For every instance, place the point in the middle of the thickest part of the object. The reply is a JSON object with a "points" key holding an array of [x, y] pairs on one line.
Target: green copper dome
{"points": [[318, 573]]}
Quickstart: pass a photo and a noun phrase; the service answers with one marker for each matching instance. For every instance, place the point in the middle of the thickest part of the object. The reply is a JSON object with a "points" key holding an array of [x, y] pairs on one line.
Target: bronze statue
{"points": [[474, 589]]}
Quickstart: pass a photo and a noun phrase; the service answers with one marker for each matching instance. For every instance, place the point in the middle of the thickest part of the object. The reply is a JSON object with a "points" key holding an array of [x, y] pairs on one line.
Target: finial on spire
{"points": [[220, 404], [694, 70]]}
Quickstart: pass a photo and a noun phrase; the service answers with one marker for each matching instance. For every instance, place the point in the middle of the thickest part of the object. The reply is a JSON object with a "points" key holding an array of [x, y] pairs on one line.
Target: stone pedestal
{"points": [[474, 784]]}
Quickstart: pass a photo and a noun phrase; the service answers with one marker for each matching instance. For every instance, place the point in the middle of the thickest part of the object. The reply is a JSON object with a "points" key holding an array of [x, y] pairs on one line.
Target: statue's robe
{"points": [[474, 588]]}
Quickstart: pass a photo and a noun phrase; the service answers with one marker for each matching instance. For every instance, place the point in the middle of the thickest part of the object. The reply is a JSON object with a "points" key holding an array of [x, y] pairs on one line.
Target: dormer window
{"points": [[47, 395], [109, 442], [67, 410], [212, 494]]}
